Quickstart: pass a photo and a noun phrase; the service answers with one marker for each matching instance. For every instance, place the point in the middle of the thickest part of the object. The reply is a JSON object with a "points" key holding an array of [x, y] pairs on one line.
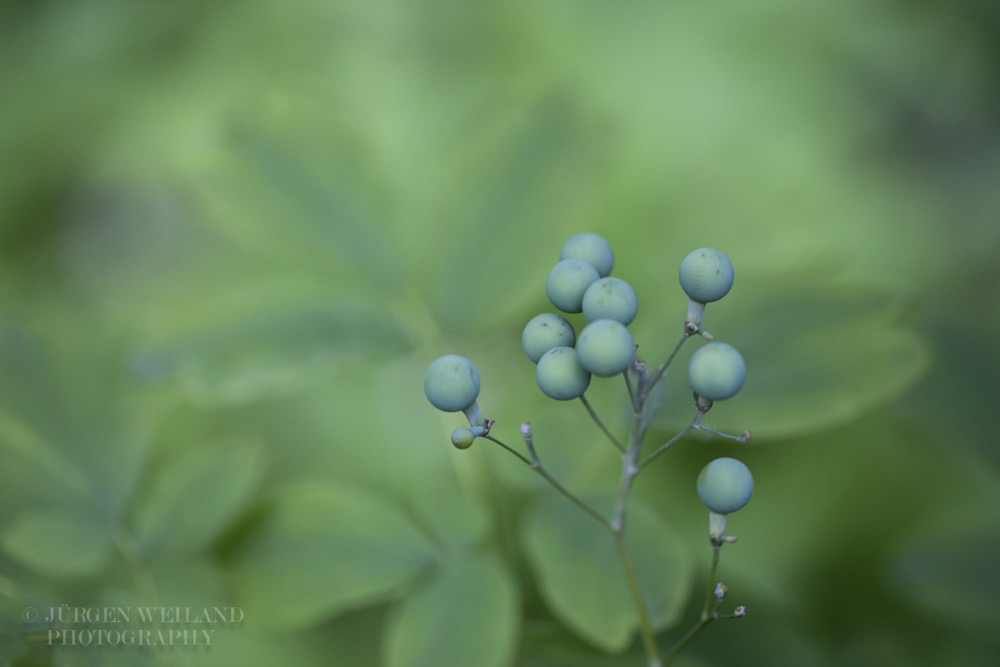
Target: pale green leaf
{"points": [[467, 615], [60, 543], [951, 572], [819, 353], [455, 517], [323, 549], [191, 501], [269, 339], [581, 578], [329, 219]]}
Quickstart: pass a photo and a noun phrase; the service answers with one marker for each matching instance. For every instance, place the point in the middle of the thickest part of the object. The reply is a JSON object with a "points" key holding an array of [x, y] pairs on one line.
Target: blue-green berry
{"points": [[462, 437], [545, 332], [591, 248], [566, 283], [706, 275], [605, 347], [716, 371], [725, 485], [560, 376], [451, 383], [610, 298]]}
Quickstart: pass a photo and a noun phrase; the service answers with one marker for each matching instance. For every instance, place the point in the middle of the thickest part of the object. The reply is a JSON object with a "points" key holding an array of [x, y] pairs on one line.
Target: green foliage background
{"points": [[233, 234]]}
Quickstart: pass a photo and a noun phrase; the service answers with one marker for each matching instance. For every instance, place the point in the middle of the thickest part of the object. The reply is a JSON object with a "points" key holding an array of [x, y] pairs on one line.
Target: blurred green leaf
{"points": [[191, 501], [13, 643], [580, 574], [456, 518], [287, 214], [819, 353], [59, 543], [323, 549], [22, 446], [468, 615], [951, 573], [547, 643], [328, 220], [268, 339], [538, 172]]}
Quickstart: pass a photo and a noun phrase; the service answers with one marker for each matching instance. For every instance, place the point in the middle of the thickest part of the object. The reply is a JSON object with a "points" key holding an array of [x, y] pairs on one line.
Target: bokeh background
{"points": [[233, 234]]}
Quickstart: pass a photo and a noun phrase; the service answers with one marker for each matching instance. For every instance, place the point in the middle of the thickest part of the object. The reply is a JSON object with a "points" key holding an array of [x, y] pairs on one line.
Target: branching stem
{"points": [[708, 613], [600, 424], [536, 465], [618, 524], [632, 464], [645, 626], [669, 443], [665, 365]]}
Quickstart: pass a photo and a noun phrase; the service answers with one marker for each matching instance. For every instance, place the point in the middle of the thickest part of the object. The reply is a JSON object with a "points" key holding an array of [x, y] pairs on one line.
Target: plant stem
{"points": [[536, 465], [708, 613], [632, 395], [645, 626], [629, 470], [742, 437], [618, 525], [665, 446], [666, 364], [513, 451], [600, 424], [716, 550]]}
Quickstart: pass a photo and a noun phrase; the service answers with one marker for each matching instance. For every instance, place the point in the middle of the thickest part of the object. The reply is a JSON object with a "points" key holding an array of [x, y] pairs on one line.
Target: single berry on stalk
{"points": [[716, 371], [725, 485], [706, 275], [451, 383]]}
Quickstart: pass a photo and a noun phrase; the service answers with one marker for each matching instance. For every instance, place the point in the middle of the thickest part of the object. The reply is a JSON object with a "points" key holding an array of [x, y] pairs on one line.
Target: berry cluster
{"points": [[580, 282], [565, 362]]}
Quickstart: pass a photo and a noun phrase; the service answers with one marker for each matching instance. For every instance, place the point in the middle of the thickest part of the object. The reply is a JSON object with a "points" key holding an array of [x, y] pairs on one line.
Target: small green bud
{"points": [[462, 437]]}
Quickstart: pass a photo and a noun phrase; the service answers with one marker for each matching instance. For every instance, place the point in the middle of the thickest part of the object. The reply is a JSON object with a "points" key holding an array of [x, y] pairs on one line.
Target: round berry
{"points": [[725, 485], [612, 299], [566, 283], [560, 375], [462, 437], [451, 383], [606, 347], [591, 248], [706, 275], [545, 332], [716, 371]]}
